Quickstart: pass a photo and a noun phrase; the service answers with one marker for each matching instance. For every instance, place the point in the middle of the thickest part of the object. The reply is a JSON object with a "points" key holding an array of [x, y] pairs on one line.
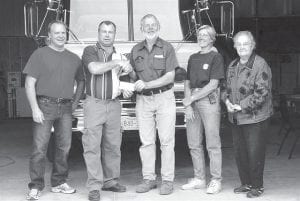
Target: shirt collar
{"points": [[101, 48], [157, 43]]}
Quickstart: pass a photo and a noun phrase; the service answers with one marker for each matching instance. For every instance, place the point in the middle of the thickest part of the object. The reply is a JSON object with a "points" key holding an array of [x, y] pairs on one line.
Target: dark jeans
{"points": [[249, 142], [58, 115]]}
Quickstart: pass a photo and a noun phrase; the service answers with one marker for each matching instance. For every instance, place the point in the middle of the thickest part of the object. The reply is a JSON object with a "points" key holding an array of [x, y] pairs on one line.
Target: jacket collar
{"points": [[249, 63]]}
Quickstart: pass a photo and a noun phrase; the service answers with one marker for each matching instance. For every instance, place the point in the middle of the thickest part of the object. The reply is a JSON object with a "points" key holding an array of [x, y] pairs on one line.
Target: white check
{"points": [[126, 86]]}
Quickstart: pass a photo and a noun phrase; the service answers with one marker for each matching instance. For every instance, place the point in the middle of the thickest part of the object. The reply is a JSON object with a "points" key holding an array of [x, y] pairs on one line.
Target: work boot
{"points": [[146, 186], [166, 188]]}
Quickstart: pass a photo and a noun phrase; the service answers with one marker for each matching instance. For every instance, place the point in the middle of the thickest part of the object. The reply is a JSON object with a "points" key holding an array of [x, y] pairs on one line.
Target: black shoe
{"points": [[115, 188], [242, 189], [255, 192], [94, 195]]}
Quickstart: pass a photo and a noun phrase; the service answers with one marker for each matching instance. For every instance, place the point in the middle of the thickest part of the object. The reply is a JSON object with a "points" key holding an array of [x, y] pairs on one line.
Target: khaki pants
{"points": [[157, 112], [101, 142]]}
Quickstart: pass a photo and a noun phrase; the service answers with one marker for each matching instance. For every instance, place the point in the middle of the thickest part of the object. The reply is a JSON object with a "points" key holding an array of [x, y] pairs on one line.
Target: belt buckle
{"points": [[59, 100]]}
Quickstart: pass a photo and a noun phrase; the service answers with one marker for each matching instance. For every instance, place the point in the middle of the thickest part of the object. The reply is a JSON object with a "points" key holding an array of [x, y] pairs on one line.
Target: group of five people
{"points": [[51, 73]]}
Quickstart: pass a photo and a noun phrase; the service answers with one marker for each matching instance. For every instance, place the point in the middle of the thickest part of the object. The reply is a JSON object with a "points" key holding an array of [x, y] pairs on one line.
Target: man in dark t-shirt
{"points": [[51, 73]]}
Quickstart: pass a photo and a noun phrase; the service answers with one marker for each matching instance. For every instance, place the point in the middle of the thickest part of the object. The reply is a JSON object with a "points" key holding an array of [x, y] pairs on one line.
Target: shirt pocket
{"points": [[159, 63]]}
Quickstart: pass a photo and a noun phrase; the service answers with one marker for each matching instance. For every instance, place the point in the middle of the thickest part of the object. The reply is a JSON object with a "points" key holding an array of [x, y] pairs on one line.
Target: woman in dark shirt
{"points": [[202, 101]]}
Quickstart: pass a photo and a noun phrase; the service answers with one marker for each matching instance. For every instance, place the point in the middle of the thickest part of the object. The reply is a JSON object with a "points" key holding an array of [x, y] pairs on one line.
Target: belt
{"points": [[159, 90], [54, 100]]}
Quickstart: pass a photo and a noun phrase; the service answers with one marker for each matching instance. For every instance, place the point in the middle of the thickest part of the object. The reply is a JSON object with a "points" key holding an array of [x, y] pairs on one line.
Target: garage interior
{"points": [[275, 25]]}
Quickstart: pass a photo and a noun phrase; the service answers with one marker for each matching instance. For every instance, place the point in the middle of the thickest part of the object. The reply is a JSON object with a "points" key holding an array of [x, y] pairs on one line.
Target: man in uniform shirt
{"points": [[154, 62]]}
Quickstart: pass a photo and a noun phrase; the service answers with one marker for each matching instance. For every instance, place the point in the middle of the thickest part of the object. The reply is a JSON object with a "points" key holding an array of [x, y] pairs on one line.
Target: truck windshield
{"points": [[86, 15]]}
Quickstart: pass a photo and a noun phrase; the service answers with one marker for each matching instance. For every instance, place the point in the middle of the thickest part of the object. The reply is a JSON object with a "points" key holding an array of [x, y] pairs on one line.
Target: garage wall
{"points": [[11, 18]]}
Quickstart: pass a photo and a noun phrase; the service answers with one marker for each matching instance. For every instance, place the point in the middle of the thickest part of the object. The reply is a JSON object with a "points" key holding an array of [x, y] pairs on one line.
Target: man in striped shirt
{"points": [[102, 112]]}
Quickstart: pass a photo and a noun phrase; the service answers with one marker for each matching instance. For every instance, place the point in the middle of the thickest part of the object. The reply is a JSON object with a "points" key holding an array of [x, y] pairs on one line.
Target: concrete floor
{"points": [[282, 177]]}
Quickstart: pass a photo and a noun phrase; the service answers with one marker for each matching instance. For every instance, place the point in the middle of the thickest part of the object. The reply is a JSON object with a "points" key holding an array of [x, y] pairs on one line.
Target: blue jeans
{"points": [[58, 115], [207, 120], [249, 142]]}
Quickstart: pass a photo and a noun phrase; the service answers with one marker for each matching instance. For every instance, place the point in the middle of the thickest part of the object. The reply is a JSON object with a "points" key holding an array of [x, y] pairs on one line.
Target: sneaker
{"points": [[255, 192], [63, 188], [242, 189], [194, 183], [214, 187], [94, 195], [166, 188], [33, 194], [146, 186]]}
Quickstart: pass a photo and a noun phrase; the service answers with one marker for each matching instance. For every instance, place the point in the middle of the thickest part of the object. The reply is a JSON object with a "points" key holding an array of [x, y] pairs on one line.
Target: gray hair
{"points": [[210, 30], [245, 33], [149, 16]]}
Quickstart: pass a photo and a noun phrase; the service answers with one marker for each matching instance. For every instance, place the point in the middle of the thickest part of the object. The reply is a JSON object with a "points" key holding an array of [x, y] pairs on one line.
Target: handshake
{"points": [[232, 107], [128, 88], [124, 67]]}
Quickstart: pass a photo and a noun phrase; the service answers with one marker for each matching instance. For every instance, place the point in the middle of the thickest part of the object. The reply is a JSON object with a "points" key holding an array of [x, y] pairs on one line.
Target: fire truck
{"points": [[179, 21]]}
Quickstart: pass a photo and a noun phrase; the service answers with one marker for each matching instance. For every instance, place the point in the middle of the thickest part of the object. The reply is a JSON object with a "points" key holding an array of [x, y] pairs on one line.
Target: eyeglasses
{"points": [[243, 44], [147, 26], [203, 35]]}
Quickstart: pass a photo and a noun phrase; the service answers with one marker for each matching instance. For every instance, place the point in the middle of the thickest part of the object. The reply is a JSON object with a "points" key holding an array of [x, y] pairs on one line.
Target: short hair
{"points": [[149, 16], [246, 33], [210, 30], [107, 22], [55, 22]]}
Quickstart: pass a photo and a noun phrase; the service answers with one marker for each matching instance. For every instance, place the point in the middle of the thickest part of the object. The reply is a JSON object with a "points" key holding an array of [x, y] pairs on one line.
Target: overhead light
{"points": [[53, 4]]}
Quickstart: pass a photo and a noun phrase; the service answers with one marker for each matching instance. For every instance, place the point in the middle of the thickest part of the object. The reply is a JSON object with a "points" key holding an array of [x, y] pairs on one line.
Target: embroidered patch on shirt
{"points": [[205, 66], [139, 59], [159, 56]]}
